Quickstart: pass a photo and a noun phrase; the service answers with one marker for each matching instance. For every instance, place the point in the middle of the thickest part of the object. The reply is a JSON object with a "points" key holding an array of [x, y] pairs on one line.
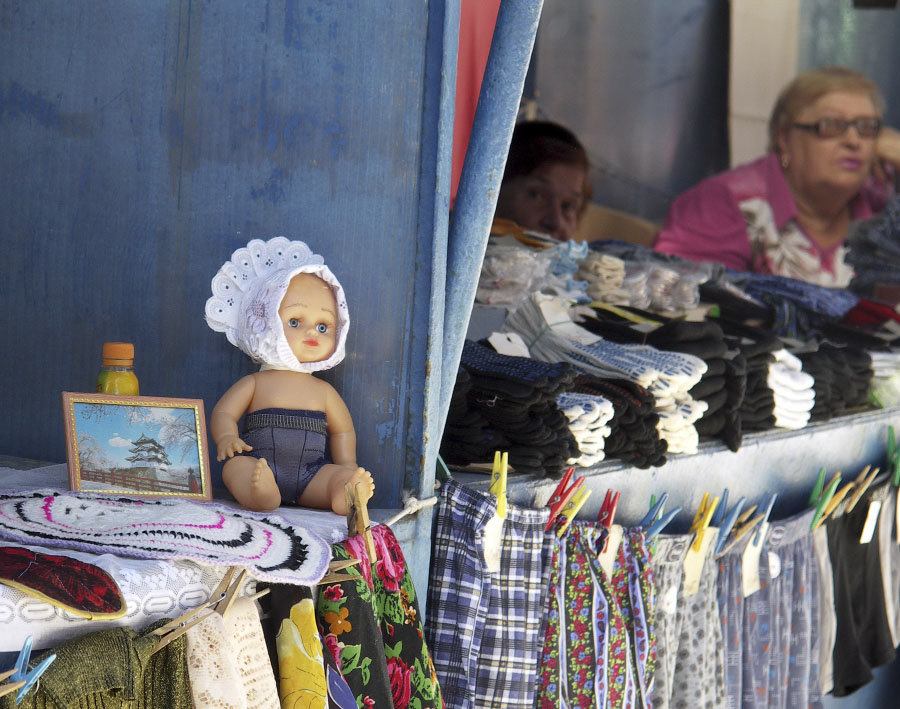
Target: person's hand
{"points": [[887, 151], [230, 446]]}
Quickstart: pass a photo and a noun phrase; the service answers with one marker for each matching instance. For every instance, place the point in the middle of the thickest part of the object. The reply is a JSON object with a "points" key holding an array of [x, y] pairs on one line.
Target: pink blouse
{"points": [[724, 219]]}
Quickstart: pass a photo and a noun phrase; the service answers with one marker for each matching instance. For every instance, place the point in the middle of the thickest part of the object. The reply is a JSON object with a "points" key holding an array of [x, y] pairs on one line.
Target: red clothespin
{"points": [[561, 496], [606, 516]]}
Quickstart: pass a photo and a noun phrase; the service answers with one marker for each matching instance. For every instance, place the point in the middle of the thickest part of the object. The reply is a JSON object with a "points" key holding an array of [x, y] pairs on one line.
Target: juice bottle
{"points": [[117, 374]]}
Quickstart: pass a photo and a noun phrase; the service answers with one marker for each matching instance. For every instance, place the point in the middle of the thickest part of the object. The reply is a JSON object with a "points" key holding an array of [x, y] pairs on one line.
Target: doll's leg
{"points": [[252, 483], [326, 489]]}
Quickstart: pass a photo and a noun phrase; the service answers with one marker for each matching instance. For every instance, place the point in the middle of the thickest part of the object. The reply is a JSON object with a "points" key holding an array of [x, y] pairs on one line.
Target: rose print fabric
{"points": [[599, 643], [373, 629]]}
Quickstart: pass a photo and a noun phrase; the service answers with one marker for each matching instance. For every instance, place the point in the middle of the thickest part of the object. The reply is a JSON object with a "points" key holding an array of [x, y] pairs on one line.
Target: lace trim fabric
{"points": [[212, 667], [788, 252], [247, 292], [228, 662]]}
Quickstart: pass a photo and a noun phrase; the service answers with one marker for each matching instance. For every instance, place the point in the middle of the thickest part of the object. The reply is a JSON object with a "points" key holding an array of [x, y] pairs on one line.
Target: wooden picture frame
{"points": [[140, 446]]}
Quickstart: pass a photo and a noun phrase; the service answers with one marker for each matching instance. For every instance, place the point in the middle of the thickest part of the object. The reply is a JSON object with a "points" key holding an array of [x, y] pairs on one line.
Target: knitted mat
{"points": [[271, 548]]}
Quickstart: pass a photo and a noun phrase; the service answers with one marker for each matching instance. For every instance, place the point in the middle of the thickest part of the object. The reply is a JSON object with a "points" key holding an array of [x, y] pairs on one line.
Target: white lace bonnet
{"points": [[247, 292]]}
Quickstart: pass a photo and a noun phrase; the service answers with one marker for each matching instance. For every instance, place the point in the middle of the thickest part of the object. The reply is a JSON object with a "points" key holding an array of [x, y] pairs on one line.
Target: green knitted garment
{"points": [[112, 669]]}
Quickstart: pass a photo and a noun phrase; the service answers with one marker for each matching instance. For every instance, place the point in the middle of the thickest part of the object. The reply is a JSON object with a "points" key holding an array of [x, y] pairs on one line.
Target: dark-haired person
{"points": [[788, 213], [545, 184]]}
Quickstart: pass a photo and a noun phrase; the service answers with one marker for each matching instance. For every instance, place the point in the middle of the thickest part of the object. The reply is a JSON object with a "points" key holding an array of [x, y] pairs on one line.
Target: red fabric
{"points": [[476, 29], [868, 312], [82, 588]]}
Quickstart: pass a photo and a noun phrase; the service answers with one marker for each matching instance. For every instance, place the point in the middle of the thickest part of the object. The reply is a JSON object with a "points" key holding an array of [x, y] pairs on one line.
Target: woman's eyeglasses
{"points": [[834, 127]]}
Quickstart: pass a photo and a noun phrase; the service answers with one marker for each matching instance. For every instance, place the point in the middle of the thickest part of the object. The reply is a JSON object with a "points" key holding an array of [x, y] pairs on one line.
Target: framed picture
{"points": [[139, 445]]}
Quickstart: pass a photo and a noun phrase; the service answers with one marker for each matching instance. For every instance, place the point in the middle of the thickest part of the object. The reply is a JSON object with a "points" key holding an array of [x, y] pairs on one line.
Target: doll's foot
{"points": [[368, 484], [252, 483]]}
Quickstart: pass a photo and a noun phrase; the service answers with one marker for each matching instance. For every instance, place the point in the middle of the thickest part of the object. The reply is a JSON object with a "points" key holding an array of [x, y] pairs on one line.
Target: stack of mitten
{"points": [[842, 377], [634, 434], [517, 398], [792, 390], [721, 387], [757, 348], [667, 375], [589, 417], [468, 436]]}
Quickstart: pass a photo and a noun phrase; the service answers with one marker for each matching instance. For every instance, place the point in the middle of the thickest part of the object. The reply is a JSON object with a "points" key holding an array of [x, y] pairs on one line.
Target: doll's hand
{"points": [[230, 446]]}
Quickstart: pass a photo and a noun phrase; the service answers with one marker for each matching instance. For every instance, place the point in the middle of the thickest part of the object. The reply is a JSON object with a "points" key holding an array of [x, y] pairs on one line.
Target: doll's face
{"points": [[308, 313]]}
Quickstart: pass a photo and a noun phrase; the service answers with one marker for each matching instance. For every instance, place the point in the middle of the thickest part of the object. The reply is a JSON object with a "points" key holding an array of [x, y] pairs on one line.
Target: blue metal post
{"points": [[476, 199]]}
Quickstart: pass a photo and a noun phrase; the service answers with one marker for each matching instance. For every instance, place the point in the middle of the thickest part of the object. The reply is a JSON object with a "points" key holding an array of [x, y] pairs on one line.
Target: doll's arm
{"points": [[225, 415], [341, 434]]}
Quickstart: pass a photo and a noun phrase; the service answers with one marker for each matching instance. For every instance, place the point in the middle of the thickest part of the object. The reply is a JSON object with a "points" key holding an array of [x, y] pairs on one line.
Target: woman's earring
{"points": [[785, 162]]}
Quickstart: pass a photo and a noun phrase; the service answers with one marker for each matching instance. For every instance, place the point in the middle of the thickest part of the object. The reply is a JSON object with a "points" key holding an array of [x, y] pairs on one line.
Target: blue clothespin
{"points": [[656, 508], [728, 522], [21, 673], [719, 514], [654, 529], [767, 510]]}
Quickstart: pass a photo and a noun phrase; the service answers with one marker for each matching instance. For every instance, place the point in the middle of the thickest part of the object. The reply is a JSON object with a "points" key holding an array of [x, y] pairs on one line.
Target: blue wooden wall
{"points": [[142, 142]]}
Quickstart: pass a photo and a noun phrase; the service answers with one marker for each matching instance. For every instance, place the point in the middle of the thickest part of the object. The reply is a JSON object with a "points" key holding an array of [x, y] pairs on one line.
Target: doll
{"points": [[278, 302]]}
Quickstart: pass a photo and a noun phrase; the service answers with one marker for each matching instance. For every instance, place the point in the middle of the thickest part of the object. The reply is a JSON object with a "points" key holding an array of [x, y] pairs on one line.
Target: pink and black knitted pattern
{"points": [[271, 548]]}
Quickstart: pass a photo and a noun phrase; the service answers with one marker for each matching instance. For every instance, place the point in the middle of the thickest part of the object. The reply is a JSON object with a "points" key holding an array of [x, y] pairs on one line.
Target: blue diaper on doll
{"points": [[293, 444]]}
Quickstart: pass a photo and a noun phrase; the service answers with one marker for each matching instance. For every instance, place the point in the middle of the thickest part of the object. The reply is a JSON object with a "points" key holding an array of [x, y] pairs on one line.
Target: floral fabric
{"points": [[599, 643], [373, 629]]}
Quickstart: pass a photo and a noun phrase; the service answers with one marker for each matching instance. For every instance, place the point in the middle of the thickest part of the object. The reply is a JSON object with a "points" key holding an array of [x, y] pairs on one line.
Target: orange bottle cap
{"points": [[121, 351]]}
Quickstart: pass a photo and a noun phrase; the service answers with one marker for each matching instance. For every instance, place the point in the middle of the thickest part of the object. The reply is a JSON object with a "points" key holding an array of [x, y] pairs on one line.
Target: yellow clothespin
{"points": [[571, 509], [498, 481], [701, 519], [862, 484], [336, 566]]}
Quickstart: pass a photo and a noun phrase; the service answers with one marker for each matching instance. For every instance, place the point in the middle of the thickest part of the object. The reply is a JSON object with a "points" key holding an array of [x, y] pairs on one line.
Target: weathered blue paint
{"points": [[144, 142], [476, 198]]}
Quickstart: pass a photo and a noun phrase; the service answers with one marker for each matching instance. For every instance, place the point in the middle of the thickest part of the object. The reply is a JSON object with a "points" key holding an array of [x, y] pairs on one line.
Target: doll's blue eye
{"points": [[293, 322], [322, 328]]}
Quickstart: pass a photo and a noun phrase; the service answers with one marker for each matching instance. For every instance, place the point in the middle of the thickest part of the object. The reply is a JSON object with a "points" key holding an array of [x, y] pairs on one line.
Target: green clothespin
{"points": [[442, 472], [893, 455], [817, 489], [824, 500]]}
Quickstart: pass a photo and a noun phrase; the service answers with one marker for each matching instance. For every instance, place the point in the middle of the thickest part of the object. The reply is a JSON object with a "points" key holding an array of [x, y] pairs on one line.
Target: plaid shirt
{"points": [[484, 629]]}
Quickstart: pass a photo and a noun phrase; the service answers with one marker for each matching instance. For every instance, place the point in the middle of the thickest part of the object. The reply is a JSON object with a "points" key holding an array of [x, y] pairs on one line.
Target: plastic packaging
{"points": [[117, 374]]}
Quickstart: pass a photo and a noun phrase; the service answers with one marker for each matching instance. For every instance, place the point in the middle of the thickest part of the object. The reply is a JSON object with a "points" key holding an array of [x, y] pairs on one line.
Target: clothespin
{"points": [[498, 481], [358, 517], [823, 501], [719, 514], [656, 508], [334, 567], [225, 591], [836, 500], [702, 520], [817, 488], [743, 526], [571, 509], [893, 457], [606, 516], [21, 679], [767, 510], [727, 522], [861, 484], [656, 527], [10, 686], [561, 496]]}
